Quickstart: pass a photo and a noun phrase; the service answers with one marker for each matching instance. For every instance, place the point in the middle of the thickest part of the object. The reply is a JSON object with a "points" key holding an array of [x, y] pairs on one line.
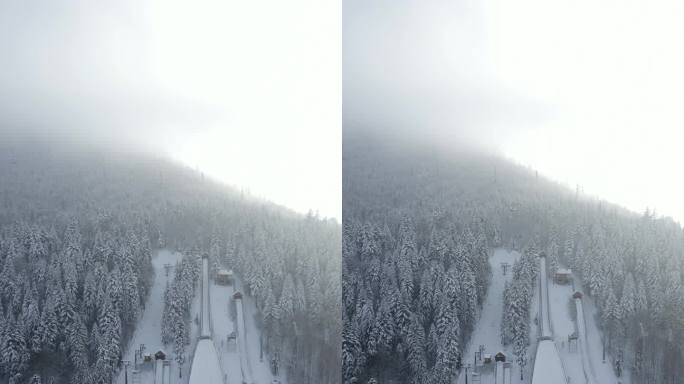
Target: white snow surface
{"points": [[222, 323], [259, 367], [148, 329], [548, 368], [585, 363], [603, 372], [241, 363], [224, 326], [582, 342], [242, 344], [560, 300], [488, 329], [206, 368]]}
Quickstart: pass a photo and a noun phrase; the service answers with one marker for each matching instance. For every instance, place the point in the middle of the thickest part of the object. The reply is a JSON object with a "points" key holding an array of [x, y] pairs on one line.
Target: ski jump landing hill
{"points": [[548, 367], [582, 339], [245, 365], [206, 367]]}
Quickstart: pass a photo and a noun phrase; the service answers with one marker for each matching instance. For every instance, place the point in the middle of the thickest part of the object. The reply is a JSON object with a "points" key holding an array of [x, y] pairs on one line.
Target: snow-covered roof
{"points": [[224, 271], [548, 368], [206, 368], [563, 271]]}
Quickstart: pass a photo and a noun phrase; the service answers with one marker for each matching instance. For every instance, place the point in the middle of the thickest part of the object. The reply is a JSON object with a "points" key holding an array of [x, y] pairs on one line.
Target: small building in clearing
{"points": [[160, 355], [224, 276], [500, 356], [562, 276]]}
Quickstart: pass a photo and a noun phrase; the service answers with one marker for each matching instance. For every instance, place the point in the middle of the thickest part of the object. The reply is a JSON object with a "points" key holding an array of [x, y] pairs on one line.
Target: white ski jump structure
{"points": [[206, 367], [242, 342], [582, 341], [548, 366]]}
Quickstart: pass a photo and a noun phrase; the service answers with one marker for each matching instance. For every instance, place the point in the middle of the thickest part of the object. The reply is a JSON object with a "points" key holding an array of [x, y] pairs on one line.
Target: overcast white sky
{"points": [[247, 91], [587, 92]]}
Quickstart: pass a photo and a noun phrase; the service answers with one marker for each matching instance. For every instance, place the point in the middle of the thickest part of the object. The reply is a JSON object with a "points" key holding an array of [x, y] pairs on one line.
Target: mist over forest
{"points": [[420, 224], [79, 228]]}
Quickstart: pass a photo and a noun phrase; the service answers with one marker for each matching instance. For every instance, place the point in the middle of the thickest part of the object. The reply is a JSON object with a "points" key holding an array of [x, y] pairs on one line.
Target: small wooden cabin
{"points": [[160, 355], [237, 295], [487, 358], [562, 276], [500, 356], [577, 295]]}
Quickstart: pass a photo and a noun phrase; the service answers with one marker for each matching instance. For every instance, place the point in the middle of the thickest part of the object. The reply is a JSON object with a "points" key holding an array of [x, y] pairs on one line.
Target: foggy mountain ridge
{"points": [[78, 157], [78, 229], [420, 222], [461, 153]]}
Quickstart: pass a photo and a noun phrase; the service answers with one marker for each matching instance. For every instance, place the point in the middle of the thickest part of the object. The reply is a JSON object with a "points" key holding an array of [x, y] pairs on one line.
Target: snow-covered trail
{"points": [[560, 303], [548, 365], [488, 329], [224, 326], [206, 366], [582, 343], [603, 372], [148, 329], [243, 346], [585, 363], [258, 364]]}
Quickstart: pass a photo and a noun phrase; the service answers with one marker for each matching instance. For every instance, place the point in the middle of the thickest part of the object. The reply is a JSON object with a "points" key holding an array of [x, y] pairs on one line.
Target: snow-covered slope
{"points": [[205, 364], [256, 366], [148, 329], [488, 330], [206, 367], [583, 362], [559, 307], [223, 327], [548, 367]]}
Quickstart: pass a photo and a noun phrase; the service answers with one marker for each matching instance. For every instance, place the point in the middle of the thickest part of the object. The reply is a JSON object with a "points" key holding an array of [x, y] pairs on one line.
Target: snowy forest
{"points": [[420, 222], [77, 231], [515, 325]]}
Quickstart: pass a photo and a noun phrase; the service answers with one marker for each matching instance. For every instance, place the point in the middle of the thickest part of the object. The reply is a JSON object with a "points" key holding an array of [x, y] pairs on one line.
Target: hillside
{"points": [[77, 231], [420, 222]]}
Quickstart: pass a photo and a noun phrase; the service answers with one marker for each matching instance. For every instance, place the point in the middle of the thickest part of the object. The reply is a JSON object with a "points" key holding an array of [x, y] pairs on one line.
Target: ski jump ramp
{"points": [[242, 342], [548, 366], [582, 341], [206, 367]]}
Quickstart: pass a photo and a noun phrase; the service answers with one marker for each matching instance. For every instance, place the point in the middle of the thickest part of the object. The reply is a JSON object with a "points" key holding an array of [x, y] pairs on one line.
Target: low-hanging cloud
{"points": [[420, 68], [79, 72], [588, 92], [236, 89]]}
